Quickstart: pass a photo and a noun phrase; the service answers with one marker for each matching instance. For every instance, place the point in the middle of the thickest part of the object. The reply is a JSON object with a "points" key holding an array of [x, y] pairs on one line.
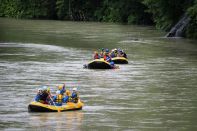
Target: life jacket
{"points": [[69, 95], [108, 58], [101, 55], [44, 96], [115, 54], [105, 57], [75, 97], [96, 56], [59, 98]]}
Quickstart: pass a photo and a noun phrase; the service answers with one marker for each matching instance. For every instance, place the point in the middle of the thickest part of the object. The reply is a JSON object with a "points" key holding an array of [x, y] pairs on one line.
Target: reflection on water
{"points": [[155, 91], [71, 120]]}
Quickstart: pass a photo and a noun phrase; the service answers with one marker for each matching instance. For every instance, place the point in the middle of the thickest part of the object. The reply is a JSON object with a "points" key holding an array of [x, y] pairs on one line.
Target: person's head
{"points": [[95, 52], [40, 90], [102, 49], [44, 88], [60, 87], [74, 89], [107, 50], [57, 92]]}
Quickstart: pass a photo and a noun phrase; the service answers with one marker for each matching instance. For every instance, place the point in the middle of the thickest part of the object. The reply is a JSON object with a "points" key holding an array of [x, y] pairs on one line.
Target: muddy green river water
{"points": [[156, 91]]}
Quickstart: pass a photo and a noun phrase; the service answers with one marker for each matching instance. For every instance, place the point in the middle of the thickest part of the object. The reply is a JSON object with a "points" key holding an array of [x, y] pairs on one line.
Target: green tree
{"points": [[192, 28], [166, 12]]}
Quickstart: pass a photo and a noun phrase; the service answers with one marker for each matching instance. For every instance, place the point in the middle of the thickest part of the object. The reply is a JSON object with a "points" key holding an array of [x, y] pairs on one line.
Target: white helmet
{"points": [[58, 92], [44, 88], [74, 89]]}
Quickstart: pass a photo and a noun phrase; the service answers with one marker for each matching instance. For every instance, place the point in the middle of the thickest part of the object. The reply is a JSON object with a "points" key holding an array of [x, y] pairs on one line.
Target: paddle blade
{"points": [[58, 110]]}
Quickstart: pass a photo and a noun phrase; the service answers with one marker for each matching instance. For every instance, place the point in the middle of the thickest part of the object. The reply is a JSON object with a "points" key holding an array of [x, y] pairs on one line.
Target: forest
{"points": [[163, 14]]}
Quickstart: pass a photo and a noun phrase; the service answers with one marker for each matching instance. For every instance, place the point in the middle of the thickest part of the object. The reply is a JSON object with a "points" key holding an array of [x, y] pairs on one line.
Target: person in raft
{"points": [[63, 91], [59, 99], [114, 53], [75, 95], [102, 53], [43, 95], [121, 53], [96, 55], [108, 59]]}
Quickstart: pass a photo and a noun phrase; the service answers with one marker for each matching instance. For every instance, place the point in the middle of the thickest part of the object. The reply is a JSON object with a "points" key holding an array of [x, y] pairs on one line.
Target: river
{"points": [[156, 91]]}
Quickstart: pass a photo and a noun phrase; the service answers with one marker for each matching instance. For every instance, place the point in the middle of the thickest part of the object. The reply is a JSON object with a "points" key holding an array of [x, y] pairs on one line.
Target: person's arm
{"points": [[54, 98]]}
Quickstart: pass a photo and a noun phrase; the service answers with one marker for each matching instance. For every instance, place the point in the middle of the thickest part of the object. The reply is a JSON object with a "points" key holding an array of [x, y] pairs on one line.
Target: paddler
{"points": [[96, 55], [43, 95], [75, 95]]}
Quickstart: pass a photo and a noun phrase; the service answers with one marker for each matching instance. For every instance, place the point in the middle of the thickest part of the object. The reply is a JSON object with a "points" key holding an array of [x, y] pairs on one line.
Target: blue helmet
{"points": [[107, 50]]}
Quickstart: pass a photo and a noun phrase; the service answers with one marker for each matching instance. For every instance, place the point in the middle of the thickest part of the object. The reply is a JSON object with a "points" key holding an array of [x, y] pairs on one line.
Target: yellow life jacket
{"points": [[59, 98]]}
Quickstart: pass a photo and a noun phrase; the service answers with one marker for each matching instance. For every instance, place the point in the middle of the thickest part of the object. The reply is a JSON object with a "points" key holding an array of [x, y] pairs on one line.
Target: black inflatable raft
{"points": [[98, 64]]}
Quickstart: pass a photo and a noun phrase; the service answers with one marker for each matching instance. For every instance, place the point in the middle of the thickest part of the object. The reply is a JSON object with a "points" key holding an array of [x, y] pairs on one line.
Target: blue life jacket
{"points": [[74, 95], [65, 99], [43, 97], [113, 55], [37, 97], [108, 59]]}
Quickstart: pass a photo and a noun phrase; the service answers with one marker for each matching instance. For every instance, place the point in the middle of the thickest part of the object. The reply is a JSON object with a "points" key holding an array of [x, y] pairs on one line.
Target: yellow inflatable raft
{"points": [[120, 60], [39, 107]]}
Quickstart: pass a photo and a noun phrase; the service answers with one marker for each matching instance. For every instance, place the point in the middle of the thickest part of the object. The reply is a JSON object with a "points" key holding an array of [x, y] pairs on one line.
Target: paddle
{"points": [[58, 110]]}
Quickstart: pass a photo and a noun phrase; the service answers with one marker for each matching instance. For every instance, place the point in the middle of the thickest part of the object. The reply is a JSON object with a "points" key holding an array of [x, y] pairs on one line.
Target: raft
{"points": [[40, 107], [98, 64], [120, 60]]}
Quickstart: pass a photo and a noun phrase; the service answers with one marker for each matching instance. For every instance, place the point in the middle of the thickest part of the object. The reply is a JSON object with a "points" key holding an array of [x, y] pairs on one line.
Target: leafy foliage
{"points": [[192, 28], [163, 13]]}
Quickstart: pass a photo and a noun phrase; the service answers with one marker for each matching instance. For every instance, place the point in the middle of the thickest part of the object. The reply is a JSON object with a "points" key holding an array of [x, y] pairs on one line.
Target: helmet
{"points": [[107, 50], [60, 87], [74, 89], [48, 89], [44, 88], [40, 90], [95, 52], [57, 92], [102, 49], [67, 92]]}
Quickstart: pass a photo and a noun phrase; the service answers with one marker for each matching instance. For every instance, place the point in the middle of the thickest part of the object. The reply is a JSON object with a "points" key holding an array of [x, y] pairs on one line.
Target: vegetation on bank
{"points": [[161, 13]]}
